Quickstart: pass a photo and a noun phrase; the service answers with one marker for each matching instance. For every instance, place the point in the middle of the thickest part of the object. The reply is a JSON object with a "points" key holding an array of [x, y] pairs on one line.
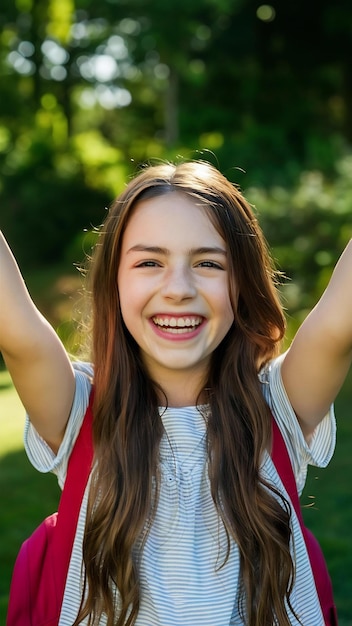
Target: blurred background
{"points": [[90, 90]]}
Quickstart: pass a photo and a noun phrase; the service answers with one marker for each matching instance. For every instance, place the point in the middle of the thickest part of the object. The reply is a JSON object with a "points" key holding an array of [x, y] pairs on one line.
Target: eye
{"points": [[210, 264], [148, 264]]}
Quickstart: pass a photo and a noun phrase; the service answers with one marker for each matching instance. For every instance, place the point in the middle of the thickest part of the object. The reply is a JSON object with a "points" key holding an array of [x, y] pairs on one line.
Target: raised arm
{"points": [[318, 360], [33, 353]]}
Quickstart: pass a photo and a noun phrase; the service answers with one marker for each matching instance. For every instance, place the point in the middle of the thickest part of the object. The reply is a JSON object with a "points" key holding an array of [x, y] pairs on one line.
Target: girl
{"points": [[186, 521]]}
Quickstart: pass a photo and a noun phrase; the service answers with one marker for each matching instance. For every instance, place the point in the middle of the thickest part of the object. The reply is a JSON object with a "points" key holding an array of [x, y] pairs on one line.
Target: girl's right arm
{"points": [[34, 355]]}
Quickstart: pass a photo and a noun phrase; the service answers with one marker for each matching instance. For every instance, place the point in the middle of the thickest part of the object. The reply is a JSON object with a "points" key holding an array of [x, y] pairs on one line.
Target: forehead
{"points": [[170, 216]]}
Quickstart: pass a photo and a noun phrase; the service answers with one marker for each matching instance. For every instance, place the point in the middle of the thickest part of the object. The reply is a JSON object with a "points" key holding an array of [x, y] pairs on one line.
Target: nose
{"points": [[179, 284]]}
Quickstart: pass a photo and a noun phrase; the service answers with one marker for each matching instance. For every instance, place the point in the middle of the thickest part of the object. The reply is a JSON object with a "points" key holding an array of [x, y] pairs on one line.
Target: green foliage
{"points": [[94, 88], [46, 203], [307, 227]]}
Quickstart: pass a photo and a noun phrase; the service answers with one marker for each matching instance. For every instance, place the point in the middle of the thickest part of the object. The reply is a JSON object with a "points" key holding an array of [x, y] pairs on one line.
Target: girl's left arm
{"points": [[316, 364]]}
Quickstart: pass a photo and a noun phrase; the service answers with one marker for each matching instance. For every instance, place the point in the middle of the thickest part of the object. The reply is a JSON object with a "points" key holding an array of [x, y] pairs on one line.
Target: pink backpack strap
{"points": [[78, 471], [282, 462]]}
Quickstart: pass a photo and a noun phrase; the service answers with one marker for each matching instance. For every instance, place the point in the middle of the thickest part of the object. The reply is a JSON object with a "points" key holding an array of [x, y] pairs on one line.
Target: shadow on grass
{"points": [[5, 384], [5, 381], [27, 497]]}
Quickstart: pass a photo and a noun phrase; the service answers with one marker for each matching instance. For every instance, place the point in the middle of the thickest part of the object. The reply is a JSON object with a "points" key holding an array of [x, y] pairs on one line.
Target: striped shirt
{"points": [[182, 581]]}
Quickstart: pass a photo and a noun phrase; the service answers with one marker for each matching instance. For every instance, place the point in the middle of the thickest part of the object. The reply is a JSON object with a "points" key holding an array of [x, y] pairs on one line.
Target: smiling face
{"points": [[173, 288]]}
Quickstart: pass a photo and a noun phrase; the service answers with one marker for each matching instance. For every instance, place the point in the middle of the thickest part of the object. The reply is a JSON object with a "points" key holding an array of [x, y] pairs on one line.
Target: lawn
{"points": [[27, 497]]}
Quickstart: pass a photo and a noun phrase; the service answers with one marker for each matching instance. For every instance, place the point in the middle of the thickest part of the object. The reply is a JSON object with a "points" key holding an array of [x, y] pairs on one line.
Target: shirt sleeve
{"points": [[40, 455], [321, 448]]}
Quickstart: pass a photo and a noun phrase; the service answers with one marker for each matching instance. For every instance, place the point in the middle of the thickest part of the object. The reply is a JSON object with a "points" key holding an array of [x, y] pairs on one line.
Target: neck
{"points": [[181, 390]]}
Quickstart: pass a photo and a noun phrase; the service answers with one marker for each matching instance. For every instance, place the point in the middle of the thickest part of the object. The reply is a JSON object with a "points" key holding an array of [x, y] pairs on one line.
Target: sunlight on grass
{"points": [[11, 416]]}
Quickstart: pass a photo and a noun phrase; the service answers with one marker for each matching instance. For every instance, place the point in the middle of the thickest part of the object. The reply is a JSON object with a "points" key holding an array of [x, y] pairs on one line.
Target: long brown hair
{"points": [[128, 429]]}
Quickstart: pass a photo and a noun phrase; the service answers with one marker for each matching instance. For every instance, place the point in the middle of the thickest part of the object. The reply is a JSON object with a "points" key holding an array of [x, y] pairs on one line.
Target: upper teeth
{"points": [[177, 322]]}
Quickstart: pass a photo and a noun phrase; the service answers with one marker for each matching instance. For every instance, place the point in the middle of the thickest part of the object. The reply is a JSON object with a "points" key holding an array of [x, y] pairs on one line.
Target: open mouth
{"points": [[177, 325]]}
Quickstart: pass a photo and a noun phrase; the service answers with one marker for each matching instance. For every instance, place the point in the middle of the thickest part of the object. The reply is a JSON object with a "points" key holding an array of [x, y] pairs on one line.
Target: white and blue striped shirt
{"points": [[182, 581]]}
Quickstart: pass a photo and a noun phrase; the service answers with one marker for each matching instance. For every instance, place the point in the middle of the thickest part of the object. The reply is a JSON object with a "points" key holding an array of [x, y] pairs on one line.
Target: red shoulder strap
{"points": [[283, 465], [282, 462], [79, 467]]}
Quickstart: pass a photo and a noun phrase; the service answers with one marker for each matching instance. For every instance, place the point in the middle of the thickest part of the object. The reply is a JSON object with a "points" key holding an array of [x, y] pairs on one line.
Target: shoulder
{"points": [[322, 444], [39, 453]]}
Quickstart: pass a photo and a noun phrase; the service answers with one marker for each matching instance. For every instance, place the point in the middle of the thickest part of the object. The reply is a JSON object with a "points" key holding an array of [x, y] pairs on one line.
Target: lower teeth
{"points": [[177, 331]]}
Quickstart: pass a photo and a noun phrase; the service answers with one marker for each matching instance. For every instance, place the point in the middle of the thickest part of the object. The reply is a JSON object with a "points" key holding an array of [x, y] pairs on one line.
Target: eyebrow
{"points": [[166, 251]]}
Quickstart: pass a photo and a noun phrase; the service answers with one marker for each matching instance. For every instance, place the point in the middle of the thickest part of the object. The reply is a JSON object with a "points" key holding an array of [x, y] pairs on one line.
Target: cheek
{"points": [[223, 305], [132, 298]]}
